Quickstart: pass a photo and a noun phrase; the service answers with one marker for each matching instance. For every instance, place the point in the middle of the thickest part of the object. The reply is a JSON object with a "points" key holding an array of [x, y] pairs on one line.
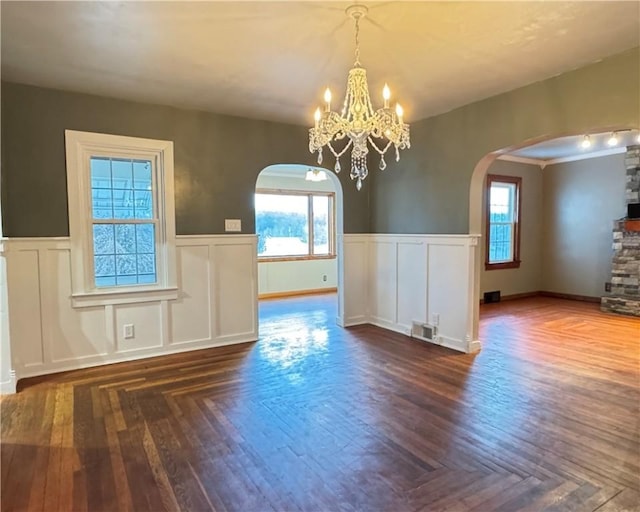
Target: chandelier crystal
{"points": [[357, 121]]}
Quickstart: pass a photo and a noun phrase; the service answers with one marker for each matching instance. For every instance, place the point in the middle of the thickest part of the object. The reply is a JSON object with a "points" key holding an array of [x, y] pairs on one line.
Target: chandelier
{"points": [[358, 121]]}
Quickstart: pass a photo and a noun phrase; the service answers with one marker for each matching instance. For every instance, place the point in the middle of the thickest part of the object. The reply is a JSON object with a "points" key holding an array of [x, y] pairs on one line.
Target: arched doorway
{"points": [[547, 153], [308, 202]]}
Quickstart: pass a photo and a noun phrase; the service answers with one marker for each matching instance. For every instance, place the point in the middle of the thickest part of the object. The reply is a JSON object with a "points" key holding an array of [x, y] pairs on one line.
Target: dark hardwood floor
{"points": [[317, 418]]}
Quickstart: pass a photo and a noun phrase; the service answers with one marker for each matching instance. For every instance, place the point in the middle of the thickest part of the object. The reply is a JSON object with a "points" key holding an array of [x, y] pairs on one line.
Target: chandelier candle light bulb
{"points": [[327, 99], [386, 95], [358, 126]]}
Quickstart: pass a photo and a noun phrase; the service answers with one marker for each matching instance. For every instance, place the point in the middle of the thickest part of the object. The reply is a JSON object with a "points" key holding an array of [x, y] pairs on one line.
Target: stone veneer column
{"points": [[625, 280]]}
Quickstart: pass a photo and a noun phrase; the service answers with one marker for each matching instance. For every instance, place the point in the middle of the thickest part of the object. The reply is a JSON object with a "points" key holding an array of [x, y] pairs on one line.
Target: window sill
{"points": [[499, 266], [271, 259], [128, 296]]}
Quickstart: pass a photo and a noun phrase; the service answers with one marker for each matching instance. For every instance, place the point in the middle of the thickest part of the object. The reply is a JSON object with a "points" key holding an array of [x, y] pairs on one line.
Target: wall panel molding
{"points": [[388, 280], [216, 274], [394, 280]]}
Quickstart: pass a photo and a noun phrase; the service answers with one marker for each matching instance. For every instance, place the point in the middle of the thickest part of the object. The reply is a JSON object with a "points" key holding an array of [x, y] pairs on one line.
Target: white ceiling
{"points": [[272, 60], [570, 148]]}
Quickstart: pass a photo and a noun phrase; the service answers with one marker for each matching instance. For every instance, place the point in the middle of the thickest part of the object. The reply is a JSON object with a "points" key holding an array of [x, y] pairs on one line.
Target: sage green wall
{"points": [[428, 190], [527, 278], [217, 159], [580, 202]]}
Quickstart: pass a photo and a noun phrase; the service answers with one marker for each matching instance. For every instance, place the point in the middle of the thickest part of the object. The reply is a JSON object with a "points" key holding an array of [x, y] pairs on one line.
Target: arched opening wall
{"points": [[436, 187], [290, 275]]}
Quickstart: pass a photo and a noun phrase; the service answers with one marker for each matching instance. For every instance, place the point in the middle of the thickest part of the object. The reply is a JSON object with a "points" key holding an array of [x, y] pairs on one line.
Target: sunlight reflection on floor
{"points": [[290, 337]]}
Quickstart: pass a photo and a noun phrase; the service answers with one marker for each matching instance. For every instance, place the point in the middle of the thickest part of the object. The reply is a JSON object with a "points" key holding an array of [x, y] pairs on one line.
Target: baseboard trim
{"points": [[570, 296], [475, 346], [125, 357], [8, 387], [296, 293], [515, 296], [553, 295]]}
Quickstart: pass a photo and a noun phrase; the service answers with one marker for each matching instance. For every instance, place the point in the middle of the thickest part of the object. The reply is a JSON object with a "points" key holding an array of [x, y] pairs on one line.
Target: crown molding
{"points": [[587, 156], [523, 160], [571, 158]]}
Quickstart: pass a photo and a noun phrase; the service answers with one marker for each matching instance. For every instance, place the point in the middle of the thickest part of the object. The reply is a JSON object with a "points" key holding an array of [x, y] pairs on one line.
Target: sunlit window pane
{"points": [[142, 175], [121, 191], [122, 173], [125, 239], [502, 215], [103, 239], [282, 224], [100, 173]]}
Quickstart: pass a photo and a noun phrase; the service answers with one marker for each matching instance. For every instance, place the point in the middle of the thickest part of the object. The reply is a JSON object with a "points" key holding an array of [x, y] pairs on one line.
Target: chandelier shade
{"points": [[358, 126]]}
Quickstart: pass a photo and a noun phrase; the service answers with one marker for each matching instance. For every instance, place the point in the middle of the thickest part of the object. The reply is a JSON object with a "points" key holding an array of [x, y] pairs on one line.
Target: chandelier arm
{"points": [[380, 151], [344, 150]]}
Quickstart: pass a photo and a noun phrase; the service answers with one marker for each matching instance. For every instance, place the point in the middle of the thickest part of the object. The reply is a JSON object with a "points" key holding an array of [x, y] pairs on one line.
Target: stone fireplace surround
{"points": [[625, 279]]}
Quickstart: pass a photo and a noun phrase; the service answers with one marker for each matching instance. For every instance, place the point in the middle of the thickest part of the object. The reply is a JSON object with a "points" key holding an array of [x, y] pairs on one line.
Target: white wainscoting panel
{"points": [[412, 283], [394, 280], [7, 374], [387, 280], [146, 318], [383, 287], [192, 313], [355, 279], [236, 281], [216, 305], [448, 291], [67, 335], [25, 313]]}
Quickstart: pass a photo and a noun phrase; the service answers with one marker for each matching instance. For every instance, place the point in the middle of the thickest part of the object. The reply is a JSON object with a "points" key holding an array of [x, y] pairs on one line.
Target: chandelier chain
{"points": [[357, 19]]}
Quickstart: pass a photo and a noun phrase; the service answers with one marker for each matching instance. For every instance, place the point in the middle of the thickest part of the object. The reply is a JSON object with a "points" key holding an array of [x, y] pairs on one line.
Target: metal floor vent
{"points": [[490, 297], [424, 332]]}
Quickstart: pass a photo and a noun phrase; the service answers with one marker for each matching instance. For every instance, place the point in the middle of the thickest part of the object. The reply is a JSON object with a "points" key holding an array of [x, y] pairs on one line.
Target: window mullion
{"points": [[310, 221], [125, 221]]}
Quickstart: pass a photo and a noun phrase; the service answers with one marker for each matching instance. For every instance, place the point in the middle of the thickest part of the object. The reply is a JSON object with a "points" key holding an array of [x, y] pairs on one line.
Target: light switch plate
{"points": [[232, 225]]}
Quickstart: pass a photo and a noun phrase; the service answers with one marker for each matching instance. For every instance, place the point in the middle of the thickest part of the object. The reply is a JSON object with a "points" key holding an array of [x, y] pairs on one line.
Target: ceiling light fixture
{"points": [[613, 140], [316, 175], [358, 121], [586, 142]]}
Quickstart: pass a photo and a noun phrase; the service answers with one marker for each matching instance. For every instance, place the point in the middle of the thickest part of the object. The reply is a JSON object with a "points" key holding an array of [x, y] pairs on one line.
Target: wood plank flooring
{"points": [[317, 418]]}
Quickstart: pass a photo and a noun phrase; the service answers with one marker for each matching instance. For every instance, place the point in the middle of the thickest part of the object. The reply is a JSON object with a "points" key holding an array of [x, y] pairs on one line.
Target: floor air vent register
{"points": [[424, 332]]}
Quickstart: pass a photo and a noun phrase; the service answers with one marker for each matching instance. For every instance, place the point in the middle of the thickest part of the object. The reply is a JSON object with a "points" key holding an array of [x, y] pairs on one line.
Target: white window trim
{"points": [[80, 146], [332, 224], [516, 221], [513, 210]]}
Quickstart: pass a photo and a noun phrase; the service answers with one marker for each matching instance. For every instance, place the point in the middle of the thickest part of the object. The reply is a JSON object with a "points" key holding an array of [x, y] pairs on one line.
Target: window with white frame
{"points": [[295, 225], [121, 217], [503, 222]]}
